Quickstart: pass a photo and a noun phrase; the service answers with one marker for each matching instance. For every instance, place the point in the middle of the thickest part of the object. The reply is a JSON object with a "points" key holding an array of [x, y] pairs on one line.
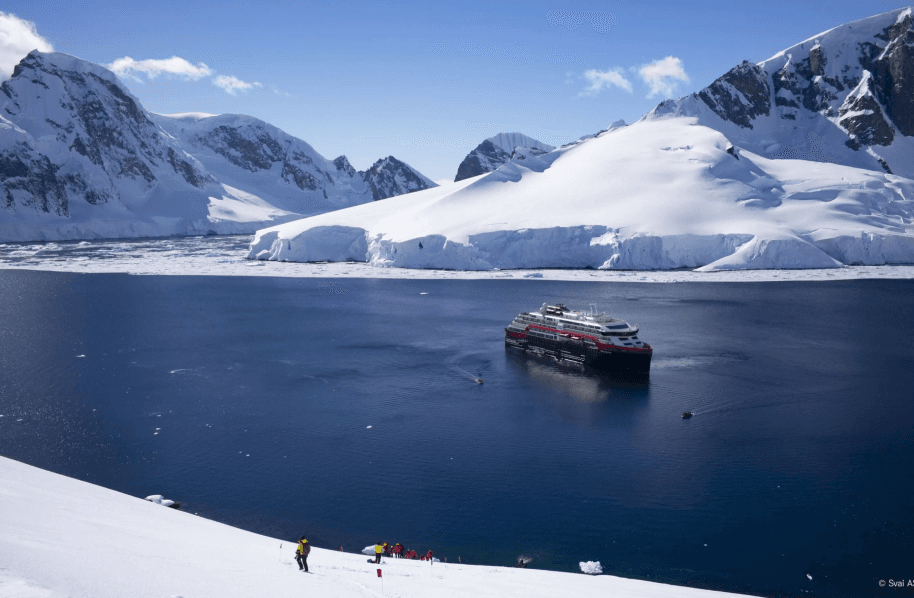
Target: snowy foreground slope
{"points": [[81, 158], [60, 537], [662, 193]]}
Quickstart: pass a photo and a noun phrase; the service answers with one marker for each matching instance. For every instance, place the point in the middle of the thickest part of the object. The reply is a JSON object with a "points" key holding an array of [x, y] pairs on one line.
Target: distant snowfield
{"points": [[62, 537], [659, 194], [225, 256]]}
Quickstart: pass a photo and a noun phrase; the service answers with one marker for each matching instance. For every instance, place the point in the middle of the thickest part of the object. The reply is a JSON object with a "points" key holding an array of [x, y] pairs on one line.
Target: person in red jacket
{"points": [[398, 550], [428, 555]]}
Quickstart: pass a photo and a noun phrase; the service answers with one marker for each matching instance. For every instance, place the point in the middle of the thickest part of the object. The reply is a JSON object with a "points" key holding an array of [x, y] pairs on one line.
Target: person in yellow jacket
{"points": [[378, 550], [301, 554]]}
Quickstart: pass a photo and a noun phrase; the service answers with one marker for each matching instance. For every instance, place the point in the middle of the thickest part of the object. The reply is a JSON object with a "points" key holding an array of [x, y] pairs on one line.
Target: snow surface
{"points": [[61, 537], [224, 256], [659, 194]]}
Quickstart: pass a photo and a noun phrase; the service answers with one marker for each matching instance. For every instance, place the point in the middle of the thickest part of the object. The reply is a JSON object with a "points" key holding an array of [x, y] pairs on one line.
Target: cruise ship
{"points": [[597, 340]]}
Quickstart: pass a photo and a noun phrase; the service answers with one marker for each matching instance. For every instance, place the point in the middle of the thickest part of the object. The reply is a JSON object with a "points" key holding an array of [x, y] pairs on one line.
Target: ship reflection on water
{"points": [[581, 382]]}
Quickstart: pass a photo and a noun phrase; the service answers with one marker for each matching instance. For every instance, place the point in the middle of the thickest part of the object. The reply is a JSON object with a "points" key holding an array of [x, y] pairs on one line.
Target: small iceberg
{"points": [[591, 567], [161, 500]]}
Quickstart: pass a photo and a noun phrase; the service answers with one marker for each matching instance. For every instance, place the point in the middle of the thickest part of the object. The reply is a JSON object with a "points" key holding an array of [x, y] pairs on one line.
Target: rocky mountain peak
{"points": [[342, 164], [497, 150], [849, 89], [389, 177], [83, 136]]}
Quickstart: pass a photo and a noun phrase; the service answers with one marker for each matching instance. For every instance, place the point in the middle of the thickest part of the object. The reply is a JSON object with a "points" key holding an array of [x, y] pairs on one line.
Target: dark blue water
{"points": [[799, 459]]}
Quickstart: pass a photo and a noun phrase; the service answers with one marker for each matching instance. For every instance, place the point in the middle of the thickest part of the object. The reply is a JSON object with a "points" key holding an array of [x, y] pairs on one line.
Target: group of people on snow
{"points": [[398, 551]]}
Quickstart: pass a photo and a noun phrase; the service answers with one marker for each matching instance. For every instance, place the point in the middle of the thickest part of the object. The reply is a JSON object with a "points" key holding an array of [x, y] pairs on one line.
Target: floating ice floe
{"points": [[161, 500], [591, 567]]}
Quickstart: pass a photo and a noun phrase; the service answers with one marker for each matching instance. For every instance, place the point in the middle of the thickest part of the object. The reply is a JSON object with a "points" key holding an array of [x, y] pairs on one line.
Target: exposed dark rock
{"points": [[748, 79], [304, 180], [476, 162], [35, 175], [817, 61], [239, 150], [893, 73], [92, 153], [389, 177], [134, 167], [342, 164], [126, 104], [866, 125], [185, 169]]}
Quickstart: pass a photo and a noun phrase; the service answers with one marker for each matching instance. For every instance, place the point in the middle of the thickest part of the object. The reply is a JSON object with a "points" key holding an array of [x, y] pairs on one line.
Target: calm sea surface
{"points": [[345, 409]]}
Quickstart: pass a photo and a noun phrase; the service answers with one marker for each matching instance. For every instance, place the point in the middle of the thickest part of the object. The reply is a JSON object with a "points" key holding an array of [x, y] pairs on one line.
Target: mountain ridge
{"points": [[851, 87], [80, 157]]}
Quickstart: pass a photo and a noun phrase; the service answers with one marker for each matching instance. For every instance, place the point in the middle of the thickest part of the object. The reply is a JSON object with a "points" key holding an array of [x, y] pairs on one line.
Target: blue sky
{"points": [[423, 81]]}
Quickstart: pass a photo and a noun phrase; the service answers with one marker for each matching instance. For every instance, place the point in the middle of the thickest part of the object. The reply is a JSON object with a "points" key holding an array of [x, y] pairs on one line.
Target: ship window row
{"points": [[580, 328], [540, 334]]}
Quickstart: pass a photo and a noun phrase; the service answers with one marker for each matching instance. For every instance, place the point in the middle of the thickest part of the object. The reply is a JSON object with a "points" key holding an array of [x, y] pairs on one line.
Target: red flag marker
{"points": [[379, 573]]}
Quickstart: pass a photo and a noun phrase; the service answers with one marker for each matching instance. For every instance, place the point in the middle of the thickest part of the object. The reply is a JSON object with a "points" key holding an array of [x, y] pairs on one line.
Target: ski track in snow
{"points": [[225, 256]]}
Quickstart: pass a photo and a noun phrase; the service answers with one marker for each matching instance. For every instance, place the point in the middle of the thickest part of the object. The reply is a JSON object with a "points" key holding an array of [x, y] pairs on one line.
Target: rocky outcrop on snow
{"points": [[389, 177], [845, 96], [497, 150], [81, 158]]}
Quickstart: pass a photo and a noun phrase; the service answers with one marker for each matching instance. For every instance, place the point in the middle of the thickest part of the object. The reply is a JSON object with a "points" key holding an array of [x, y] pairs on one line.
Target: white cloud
{"points": [[663, 75], [232, 85], [280, 92], [152, 68], [18, 38], [180, 68], [600, 80]]}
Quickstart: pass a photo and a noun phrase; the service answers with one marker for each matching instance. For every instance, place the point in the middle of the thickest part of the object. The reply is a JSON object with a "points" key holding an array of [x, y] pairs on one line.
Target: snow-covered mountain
{"points": [[251, 154], [783, 164], [497, 150], [81, 158], [667, 193], [844, 96]]}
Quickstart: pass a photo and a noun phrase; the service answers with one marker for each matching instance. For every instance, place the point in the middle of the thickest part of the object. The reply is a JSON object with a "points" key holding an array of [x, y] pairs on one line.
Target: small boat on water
{"points": [[597, 340], [686, 414]]}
